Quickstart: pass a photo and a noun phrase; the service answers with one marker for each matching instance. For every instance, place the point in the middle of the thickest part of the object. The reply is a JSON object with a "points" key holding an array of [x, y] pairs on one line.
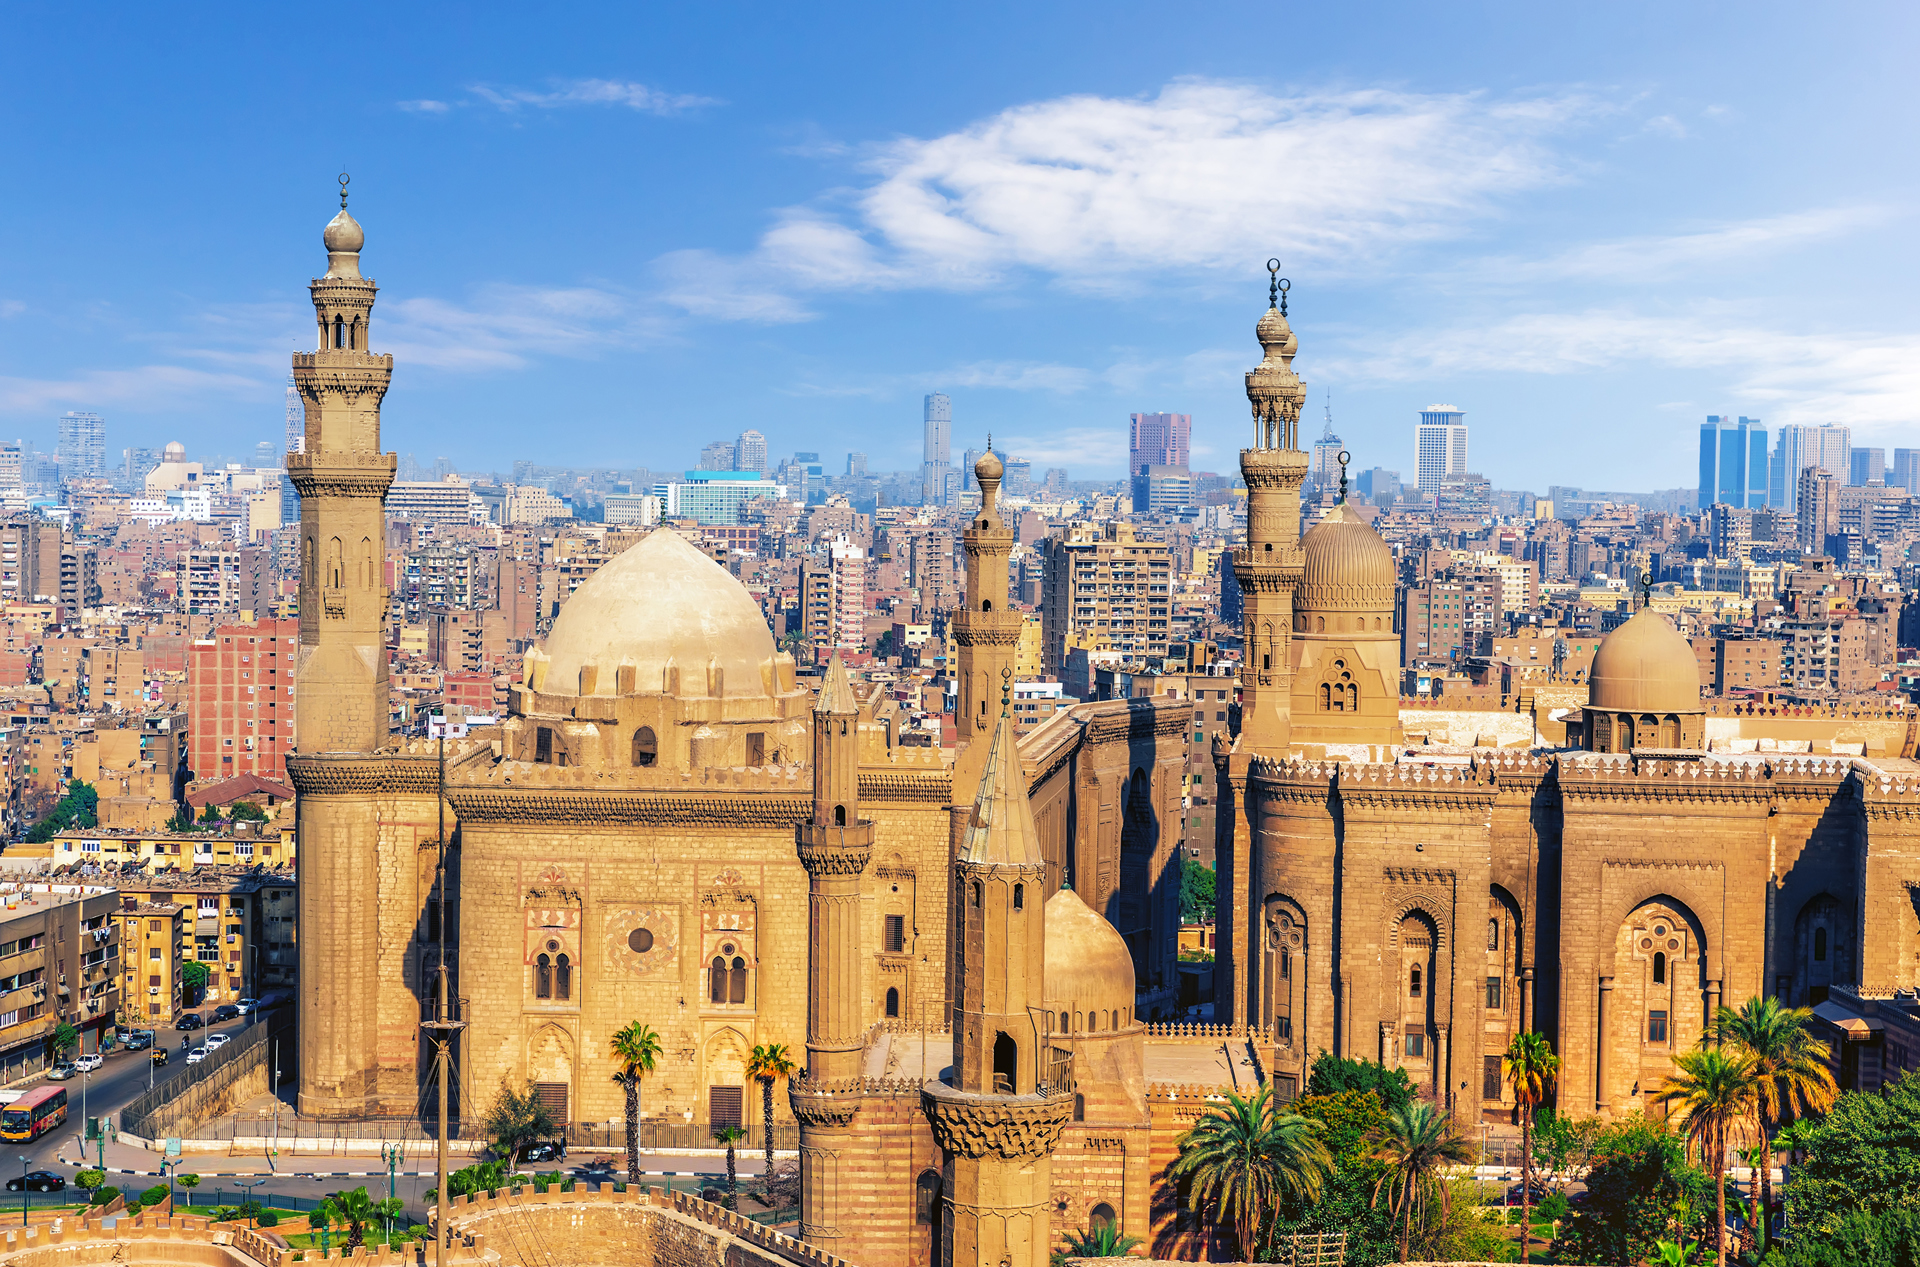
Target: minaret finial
{"points": [[1273, 283], [1646, 590], [1006, 690], [1344, 458], [344, 180]]}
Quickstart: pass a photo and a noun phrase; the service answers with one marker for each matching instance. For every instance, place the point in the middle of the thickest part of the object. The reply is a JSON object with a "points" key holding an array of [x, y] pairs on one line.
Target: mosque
{"points": [[975, 948]]}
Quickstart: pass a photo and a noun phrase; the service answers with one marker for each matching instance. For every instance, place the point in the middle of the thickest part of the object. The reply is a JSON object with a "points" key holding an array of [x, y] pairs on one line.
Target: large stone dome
{"points": [[1645, 666], [1089, 970], [661, 602], [1347, 567]]}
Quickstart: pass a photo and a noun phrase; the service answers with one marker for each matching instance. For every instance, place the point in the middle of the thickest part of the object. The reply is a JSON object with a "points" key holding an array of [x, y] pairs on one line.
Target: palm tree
{"points": [[1530, 1068], [1420, 1141], [769, 1063], [637, 1049], [1245, 1155], [1104, 1241], [358, 1211], [1793, 1078], [1715, 1089], [730, 1135]]}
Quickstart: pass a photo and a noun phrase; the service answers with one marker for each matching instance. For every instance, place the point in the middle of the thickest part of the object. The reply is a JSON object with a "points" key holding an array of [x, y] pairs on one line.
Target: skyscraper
{"points": [[1867, 466], [717, 456], [936, 447], [1799, 447], [1905, 472], [750, 452], [296, 425], [1817, 510], [1733, 462], [1158, 440], [83, 445], [1440, 447]]}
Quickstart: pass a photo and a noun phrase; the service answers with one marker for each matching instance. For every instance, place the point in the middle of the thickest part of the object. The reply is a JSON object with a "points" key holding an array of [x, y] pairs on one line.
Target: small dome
{"points": [[1089, 968], [659, 601], [1272, 328], [989, 467], [1645, 666], [1347, 566], [175, 452], [344, 233]]}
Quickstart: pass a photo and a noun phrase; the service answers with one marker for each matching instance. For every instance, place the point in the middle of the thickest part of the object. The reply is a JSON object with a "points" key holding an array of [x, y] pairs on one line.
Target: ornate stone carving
{"points": [[837, 858], [818, 1108], [1011, 1127]]}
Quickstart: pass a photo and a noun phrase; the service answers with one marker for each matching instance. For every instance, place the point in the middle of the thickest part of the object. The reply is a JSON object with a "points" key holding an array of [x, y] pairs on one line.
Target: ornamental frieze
{"points": [[363, 775], [834, 859], [1008, 1127], [592, 808]]}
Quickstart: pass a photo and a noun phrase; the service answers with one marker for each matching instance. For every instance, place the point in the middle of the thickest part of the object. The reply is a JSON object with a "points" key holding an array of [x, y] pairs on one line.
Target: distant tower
{"points": [[750, 452], [999, 1118], [834, 847], [936, 448], [1268, 566], [1440, 443], [341, 683], [82, 447]]}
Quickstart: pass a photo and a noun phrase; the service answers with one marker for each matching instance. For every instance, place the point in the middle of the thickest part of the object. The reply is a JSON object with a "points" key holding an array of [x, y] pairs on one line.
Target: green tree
{"points": [[1530, 1068], [189, 1182], [1864, 1155], [636, 1050], [1420, 1143], [357, 1212], [1563, 1145], [730, 1135], [1791, 1078], [88, 1181], [516, 1118], [1246, 1156], [1714, 1090], [1889, 1238], [246, 812], [483, 1176], [79, 809], [1333, 1074], [209, 814], [181, 822], [1196, 891], [1352, 1125], [1640, 1190], [194, 977], [63, 1040], [767, 1064]]}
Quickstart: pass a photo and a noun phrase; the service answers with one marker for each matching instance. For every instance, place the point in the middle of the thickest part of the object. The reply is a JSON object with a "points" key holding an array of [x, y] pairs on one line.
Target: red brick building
{"points": [[240, 700]]}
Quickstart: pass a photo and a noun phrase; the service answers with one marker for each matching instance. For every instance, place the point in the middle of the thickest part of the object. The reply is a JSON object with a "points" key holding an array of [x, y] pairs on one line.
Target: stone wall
{"points": [[241, 1074]]}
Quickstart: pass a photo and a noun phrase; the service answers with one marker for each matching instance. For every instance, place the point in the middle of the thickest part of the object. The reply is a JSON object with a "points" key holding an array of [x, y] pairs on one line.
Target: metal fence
{"points": [[290, 1131], [153, 1114]]}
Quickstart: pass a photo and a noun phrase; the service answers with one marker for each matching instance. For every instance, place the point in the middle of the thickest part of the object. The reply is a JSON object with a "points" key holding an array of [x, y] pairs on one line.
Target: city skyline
{"points": [[1456, 231]]}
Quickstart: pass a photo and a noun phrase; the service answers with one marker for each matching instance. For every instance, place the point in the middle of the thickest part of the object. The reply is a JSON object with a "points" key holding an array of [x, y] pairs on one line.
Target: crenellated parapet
{"points": [[1650, 780], [1010, 1127]]}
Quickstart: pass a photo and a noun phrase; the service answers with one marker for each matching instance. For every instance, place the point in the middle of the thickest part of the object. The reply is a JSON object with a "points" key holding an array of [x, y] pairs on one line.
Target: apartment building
{"points": [[223, 921], [1104, 580], [59, 962], [150, 937], [240, 700]]}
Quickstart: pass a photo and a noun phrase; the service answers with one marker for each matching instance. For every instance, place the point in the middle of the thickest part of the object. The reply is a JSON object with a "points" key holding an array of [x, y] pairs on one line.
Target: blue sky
{"points": [[608, 234]]}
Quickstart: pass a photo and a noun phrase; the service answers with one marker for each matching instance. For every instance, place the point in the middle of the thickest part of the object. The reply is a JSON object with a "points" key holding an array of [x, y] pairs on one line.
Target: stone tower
{"points": [[834, 847], [1267, 568], [999, 1113], [341, 684], [986, 630]]}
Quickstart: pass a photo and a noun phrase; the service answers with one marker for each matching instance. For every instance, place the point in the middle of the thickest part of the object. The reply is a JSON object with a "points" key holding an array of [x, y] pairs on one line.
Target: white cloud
{"points": [[1097, 191], [1077, 448], [594, 92], [425, 107], [504, 327], [1659, 257], [147, 386]]}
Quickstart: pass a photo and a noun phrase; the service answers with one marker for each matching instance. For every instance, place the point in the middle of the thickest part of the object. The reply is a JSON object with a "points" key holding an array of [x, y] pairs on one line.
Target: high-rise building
{"points": [[1799, 447], [1733, 462], [1325, 471], [10, 487], [240, 692], [296, 429], [1817, 509], [1905, 472], [1105, 589], [1158, 440], [82, 450], [1866, 466], [1440, 447], [936, 448], [750, 452], [857, 465], [717, 456]]}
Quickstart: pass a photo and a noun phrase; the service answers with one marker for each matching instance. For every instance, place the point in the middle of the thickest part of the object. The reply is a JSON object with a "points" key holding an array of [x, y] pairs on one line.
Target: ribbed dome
{"points": [[1347, 566], [660, 601], [1089, 968], [344, 233], [1645, 666]]}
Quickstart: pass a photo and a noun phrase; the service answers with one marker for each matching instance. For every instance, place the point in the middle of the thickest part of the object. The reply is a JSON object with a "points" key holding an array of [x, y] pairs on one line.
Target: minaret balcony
{"points": [[1012, 1127]]}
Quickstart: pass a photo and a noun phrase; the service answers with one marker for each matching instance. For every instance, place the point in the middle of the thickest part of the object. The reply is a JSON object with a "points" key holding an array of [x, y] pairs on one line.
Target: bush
{"points": [[1332, 1075], [269, 1218], [89, 1179], [155, 1195], [1858, 1239], [104, 1196]]}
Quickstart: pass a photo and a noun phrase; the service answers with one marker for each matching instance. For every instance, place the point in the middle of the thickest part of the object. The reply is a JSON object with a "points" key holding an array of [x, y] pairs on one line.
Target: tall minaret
{"points": [[342, 477], [986, 631], [834, 847], [1000, 1115], [1268, 566]]}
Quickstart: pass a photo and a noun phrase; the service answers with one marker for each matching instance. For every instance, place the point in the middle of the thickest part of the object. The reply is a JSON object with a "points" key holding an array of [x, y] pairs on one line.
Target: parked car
{"points": [[62, 1071], [89, 1062], [1517, 1193], [218, 1040], [197, 1055], [36, 1181], [139, 1040], [225, 1012], [544, 1150], [247, 1005], [190, 1021]]}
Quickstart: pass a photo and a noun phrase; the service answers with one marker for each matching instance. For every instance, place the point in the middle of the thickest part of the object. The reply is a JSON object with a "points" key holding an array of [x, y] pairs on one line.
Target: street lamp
{"points": [[26, 1198], [393, 1156], [249, 1185]]}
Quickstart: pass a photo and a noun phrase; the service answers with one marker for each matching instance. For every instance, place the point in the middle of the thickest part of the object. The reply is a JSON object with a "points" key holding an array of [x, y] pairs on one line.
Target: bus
{"points": [[33, 1114]]}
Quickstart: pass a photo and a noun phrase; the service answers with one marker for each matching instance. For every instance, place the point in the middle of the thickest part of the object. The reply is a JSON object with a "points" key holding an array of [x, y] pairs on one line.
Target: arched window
{"points": [[339, 333], [1102, 1216], [563, 978], [1079, 1107], [926, 1197], [1019, 897], [543, 978], [893, 1002], [986, 604], [1820, 945], [1076, 1020], [1660, 967], [335, 564], [646, 749], [839, 816], [1413, 985], [717, 983], [1006, 1063], [737, 987], [1493, 934], [1320, 624], [1326, 698]]}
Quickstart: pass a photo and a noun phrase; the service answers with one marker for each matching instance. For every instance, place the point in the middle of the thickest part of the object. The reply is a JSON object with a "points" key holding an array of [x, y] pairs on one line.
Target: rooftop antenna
{"points": [[1329, 431]]}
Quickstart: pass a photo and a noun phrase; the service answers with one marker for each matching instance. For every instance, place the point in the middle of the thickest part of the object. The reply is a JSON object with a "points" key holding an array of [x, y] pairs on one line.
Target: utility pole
{"points": [[446, 1022]]}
